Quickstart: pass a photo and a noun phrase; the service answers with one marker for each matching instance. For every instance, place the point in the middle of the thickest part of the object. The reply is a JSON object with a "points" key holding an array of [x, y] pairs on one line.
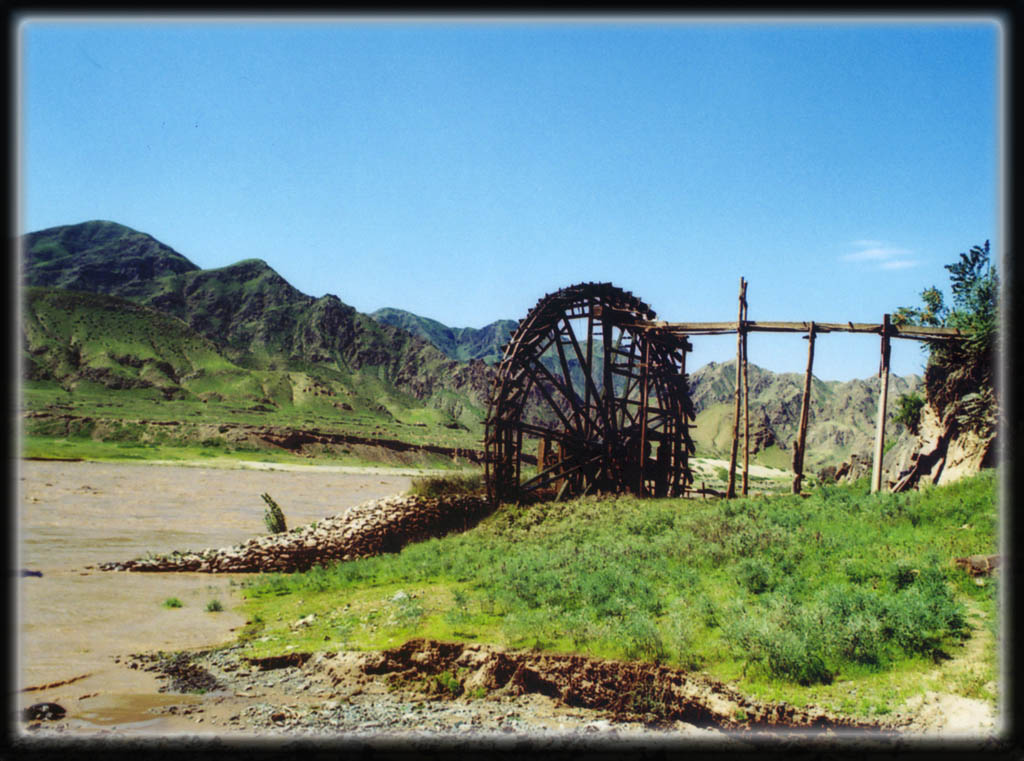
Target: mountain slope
{"points": [[72, 336], [99, 257], [841, 419], [255, 317], [462, 344]]}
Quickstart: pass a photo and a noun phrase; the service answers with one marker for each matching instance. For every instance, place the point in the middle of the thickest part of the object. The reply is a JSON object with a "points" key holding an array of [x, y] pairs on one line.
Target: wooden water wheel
{"points": [[596, 397]]}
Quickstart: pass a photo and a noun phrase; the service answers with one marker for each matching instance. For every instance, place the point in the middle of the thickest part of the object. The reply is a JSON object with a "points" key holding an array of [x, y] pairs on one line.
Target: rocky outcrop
{"points": [[858, 465], [762, 435], [948, 448], [372, 528]]}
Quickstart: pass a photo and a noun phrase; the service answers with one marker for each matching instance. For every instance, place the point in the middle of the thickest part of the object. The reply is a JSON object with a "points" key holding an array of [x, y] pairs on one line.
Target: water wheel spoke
{"points": [[590, 390], [559, 470]]}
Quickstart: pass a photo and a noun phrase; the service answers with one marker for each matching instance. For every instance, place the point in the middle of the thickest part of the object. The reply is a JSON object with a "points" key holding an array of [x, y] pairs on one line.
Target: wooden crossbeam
{"points": [[914, 332]]}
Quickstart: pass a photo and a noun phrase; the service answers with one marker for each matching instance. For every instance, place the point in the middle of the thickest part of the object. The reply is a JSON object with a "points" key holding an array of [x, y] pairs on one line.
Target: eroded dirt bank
{"points": [[434, 689]]}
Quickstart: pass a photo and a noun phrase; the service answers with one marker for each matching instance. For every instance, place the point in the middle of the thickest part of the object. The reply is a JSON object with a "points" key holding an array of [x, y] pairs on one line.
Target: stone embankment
{"points": [[372, 528]]}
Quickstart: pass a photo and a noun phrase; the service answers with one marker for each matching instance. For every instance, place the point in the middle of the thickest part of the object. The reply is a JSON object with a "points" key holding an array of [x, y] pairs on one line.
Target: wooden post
{"points": [[731, 490], [883, 374], [643, 417], [805, 413], [746, 402], [682, 455]]}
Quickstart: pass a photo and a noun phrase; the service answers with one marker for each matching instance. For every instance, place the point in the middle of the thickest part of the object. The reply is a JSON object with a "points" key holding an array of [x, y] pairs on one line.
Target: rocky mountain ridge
{"points": [[254, 316], [461, 344]]}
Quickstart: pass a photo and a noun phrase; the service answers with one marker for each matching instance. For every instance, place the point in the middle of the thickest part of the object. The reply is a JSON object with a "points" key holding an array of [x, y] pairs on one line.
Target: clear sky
{"points": [[461, 169]]}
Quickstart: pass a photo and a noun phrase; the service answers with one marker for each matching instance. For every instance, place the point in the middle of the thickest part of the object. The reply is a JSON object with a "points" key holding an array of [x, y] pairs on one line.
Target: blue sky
{"points": [[463, 169]]}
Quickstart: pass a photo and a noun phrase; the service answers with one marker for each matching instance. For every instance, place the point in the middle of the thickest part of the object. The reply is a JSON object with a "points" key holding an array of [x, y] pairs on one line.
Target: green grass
{"points": [[457, 483], [795, 599]]}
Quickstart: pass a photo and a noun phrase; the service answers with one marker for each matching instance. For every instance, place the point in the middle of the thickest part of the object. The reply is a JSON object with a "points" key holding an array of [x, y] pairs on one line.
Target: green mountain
{"points": [[72, 336], [252, 314], [462, 344]]}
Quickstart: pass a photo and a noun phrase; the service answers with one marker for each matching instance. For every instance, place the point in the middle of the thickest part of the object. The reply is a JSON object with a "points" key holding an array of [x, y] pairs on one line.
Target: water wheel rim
{"points": [[592, 416]]}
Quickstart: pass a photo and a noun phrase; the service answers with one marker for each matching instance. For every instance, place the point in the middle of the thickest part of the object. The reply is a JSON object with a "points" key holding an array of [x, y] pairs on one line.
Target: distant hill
{"points": [[462, 344], [252, 314], [100, 257], [842, 416]]}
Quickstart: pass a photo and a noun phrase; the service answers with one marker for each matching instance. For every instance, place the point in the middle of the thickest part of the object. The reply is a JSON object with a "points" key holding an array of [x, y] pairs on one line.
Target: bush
{"points": [[641, 639], [273, 517], [214, 606], [908, 411], [172, 602], [756, 575], [440, 486]]}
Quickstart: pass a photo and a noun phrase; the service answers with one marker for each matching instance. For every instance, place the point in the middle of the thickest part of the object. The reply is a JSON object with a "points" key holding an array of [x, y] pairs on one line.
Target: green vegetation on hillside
{"points": [[817, 600], [111, 310], [963, 371], [102, 368], [462, 344]]}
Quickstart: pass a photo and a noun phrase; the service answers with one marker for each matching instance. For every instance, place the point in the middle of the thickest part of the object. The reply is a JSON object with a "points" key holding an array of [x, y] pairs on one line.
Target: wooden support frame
{"points": [[596, 427]]}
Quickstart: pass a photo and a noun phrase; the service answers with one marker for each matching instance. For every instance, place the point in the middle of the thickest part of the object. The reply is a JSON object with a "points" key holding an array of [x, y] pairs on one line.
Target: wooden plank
{"points": [[643, 417], [914, 332], [883, 373]]}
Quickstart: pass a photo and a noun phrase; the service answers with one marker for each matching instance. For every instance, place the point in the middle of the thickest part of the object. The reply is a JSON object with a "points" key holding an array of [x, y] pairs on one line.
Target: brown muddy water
{"points": [[74, 621]]}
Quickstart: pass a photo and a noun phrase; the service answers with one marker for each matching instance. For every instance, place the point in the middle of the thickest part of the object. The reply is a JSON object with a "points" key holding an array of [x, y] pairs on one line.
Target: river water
{"points": [[73, 621]]}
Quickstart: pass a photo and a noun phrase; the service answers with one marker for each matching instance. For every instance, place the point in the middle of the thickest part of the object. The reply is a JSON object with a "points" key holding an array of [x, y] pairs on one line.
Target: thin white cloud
{"points": [[898, 264], [876, 252]]}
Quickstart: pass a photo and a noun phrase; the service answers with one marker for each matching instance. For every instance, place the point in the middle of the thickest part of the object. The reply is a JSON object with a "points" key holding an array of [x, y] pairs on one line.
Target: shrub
{"points": [[756, 575], [172, 602], [908, 411], [214, 606], [642, 639], [273, 517], [439, 486]]}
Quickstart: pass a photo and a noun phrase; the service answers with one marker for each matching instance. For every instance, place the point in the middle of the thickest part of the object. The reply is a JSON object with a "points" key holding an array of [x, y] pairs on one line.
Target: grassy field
{"points": [[844, 599], [93, 423]]}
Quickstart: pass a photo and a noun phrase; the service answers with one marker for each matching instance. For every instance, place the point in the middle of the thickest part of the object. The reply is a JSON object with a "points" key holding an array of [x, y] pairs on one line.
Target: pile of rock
{"points": [[372, 528]]}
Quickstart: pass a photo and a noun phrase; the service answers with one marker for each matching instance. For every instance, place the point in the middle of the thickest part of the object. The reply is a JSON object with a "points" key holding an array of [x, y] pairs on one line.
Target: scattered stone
{"points": [[372, 528], [43, 712]]}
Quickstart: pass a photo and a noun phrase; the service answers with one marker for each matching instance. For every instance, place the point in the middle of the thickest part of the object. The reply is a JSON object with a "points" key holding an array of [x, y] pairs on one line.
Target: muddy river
{"points": [[73, 621]]}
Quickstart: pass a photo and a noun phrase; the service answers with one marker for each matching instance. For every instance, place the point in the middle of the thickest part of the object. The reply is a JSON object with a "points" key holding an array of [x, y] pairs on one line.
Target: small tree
{"points": [[974, 283], [908, 411], [958, 368], [272, 516]]}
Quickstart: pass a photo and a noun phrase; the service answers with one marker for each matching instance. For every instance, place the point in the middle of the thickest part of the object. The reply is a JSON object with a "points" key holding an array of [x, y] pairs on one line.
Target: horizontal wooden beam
{"points": [[914, 332]]}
